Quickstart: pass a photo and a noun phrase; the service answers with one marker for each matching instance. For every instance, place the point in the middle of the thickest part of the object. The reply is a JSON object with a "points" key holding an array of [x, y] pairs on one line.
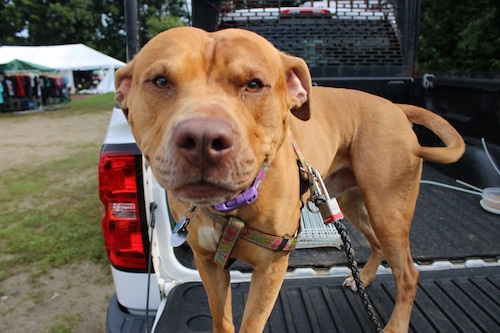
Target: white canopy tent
{"points": [[65, 58]]}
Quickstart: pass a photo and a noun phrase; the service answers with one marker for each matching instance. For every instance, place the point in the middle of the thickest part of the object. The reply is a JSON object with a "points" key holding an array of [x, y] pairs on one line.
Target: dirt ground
{"points": [[70, 294], [77, 295], [37, 139]]}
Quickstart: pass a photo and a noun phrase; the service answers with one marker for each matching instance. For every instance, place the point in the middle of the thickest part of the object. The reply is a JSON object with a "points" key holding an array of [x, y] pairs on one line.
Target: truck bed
{"points": [[448, 226], [458, 300]]}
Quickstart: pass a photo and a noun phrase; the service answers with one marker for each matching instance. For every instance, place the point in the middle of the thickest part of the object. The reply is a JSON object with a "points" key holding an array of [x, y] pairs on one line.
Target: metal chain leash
{"points": [[355, 274]]}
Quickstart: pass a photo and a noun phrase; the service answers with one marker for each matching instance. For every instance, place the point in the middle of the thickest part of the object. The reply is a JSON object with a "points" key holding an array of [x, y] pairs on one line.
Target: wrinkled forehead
{"points": [[178, 42], [243, 51], [238, 43], [230, 48]]}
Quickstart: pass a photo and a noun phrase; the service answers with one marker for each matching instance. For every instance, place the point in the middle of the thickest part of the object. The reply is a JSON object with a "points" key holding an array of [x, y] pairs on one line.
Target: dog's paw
{"points": [[350, 283]]}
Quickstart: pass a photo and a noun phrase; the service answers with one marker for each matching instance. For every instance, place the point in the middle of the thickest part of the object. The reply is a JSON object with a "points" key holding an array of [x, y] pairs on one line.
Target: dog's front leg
{"points": [[267, 279], [217, 285]]}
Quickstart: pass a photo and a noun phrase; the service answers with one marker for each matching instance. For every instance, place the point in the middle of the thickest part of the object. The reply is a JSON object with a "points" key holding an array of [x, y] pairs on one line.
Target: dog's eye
{"points": [[161, 82], [254, 86]]}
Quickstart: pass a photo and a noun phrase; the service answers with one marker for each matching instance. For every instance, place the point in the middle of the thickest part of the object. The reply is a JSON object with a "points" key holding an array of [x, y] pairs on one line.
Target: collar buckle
{"points": [[244, 198]]}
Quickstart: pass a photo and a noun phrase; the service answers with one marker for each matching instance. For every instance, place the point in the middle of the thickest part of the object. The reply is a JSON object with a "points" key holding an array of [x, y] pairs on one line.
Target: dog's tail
{"points": [[455, 146]]}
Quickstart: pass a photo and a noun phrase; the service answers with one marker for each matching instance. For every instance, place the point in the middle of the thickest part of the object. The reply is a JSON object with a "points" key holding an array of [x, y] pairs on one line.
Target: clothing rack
{"points": [[24, 90]]}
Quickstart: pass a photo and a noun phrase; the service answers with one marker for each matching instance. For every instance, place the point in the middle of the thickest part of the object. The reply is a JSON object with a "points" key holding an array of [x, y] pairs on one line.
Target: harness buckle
{"points": [[284, 242]]}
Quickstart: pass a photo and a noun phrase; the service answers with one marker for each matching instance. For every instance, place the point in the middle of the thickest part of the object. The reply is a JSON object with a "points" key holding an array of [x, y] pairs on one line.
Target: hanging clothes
{"points": [[20, 92], [1, 92]]}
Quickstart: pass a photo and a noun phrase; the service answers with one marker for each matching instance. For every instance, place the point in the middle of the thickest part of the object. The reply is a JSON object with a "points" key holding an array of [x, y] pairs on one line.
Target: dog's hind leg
{"points": [[353, 207], [386, 222], [396, 247], [391, 214]]}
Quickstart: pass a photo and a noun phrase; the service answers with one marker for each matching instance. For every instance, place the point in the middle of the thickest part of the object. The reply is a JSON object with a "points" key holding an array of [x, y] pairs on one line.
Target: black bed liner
{"points": [[458, 300]]}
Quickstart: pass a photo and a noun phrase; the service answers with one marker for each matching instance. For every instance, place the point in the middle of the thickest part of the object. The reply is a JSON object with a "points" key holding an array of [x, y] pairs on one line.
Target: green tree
{"points": [[460, 36], [49, 22], [155, 16], [11, 24], [155, 25], [99, 24], [111, 33]]}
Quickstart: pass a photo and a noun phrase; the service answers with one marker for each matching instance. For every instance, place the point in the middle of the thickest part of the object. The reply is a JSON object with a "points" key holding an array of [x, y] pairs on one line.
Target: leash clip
{"points": [[328, 207]]}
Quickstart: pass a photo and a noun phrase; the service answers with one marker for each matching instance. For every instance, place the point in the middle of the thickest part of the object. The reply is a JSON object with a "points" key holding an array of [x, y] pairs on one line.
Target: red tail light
{"points": [[121, 222]]}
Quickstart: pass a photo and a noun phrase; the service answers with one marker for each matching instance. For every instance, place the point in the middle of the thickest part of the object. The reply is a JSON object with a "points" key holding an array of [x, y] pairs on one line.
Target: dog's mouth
{"points": [[222, 199], [203, 193]]}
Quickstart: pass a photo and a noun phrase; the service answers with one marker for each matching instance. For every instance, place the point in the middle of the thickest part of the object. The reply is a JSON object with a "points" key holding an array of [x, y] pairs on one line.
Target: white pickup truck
{"points": [[367, 45]]}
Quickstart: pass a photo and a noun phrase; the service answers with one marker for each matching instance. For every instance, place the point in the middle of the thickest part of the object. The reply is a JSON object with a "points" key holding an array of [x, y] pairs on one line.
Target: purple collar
{"points": [[244, 198]]}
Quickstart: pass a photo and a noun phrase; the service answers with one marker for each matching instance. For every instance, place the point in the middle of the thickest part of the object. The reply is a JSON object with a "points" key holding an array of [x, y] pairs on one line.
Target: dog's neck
{"points": [[276, 189], [249, 195]]}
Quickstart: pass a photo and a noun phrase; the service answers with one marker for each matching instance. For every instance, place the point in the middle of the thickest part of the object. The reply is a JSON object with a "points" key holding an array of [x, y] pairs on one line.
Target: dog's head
{"points": [[208, 110]]}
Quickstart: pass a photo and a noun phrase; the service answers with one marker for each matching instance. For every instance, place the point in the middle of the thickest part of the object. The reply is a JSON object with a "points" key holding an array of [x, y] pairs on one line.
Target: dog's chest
{"points": [[208, 236]]}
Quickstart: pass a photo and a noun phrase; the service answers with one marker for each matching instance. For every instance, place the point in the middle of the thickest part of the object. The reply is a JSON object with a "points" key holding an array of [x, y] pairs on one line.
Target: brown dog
{"points": [[210, 111]]}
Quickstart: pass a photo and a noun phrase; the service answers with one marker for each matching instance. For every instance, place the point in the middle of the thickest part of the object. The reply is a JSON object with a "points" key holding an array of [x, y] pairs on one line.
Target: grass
{"points": [[93, 104], [50, 214], [69, 324]]}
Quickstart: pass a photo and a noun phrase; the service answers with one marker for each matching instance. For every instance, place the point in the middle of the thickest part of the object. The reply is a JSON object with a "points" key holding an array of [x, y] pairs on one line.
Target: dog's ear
{"points": [[299, 83], [123, 81]]}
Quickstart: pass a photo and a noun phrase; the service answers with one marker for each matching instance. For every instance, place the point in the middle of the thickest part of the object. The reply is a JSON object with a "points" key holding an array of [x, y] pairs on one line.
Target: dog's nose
{"points": [[204, 142]]}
